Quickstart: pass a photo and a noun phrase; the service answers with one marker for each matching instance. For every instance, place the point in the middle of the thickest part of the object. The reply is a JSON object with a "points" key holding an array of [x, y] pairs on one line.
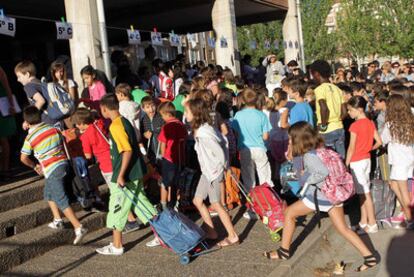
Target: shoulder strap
{"points": [[100, 132]]}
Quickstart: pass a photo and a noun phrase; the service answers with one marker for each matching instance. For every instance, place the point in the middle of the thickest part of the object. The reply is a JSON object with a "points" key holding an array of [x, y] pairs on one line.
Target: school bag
{"points": [[232, 191], [59, 102], [288, 179], [339, 184]]}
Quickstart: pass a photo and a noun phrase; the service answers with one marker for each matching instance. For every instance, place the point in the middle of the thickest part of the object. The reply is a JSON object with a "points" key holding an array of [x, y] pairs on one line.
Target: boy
{"points": [[45, 143], [128, 170], [252, 128], [95, 143], [301, 111], [172, 145], [151, 127]]}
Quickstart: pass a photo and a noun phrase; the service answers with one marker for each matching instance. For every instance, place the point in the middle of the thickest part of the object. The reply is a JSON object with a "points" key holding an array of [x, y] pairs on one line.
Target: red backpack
{"points": [[339, 184]]}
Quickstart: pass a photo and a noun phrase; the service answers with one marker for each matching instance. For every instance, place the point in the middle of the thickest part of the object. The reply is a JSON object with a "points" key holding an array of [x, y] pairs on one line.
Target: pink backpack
{"points": [[339, 184]]}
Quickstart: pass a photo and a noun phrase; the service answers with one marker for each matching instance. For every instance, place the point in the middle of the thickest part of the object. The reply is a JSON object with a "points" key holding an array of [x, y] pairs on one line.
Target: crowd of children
{"points": [[225, 123]]}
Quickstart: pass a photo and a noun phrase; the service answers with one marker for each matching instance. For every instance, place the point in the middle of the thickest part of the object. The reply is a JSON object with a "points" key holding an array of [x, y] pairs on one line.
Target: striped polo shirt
{"points": [[46, 143]]}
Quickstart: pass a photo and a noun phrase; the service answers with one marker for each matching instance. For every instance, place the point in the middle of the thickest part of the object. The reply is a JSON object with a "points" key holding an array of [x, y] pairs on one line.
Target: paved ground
{"points": [[394, 246]]}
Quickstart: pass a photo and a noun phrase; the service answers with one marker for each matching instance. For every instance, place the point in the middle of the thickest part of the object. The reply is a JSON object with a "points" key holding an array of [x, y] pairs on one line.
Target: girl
{"points": [[398, 133], [58, 72], [229, 81], [358, 158], [213, 158], [95, 88], [304, 140]]}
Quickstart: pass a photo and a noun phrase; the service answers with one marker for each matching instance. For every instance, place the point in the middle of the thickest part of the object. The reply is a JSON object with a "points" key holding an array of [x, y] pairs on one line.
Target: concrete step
{"points": [[23, 218], [22, 247]]}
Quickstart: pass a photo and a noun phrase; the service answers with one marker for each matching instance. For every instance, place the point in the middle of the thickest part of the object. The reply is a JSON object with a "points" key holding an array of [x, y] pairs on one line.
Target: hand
{"points": [[25, 126], [120, 181], [148, 134], [143, 151], [38, 169]]}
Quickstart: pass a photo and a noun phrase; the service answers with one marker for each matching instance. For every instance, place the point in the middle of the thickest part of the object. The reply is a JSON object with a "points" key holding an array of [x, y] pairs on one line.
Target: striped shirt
{"points": [[46, 143]]}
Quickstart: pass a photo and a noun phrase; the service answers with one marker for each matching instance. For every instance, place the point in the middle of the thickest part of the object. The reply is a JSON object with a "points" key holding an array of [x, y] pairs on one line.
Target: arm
{"points": [[25, 159], [324, 112], [162, 148], [378, 141], [73, 91], [284, 119], [265, 136], [351, 149], [126, 158], [386, 135], [265, 61], [39, 100], [223, 129], [344, 111], [315, 171]]}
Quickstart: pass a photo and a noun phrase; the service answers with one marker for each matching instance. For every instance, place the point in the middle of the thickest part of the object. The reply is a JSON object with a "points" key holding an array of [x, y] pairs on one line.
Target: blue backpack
{"points": [[59, 102], [177, 231]]}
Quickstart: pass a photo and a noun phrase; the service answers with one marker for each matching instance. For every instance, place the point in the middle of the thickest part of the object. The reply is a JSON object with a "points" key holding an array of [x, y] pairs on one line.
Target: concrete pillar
{"points": [[85, 43], [224, 25], [290, 33]]}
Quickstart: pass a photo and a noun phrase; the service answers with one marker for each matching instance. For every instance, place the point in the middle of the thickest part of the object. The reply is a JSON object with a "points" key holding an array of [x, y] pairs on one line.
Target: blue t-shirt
{"points": [[301, 112], [250, 125]]}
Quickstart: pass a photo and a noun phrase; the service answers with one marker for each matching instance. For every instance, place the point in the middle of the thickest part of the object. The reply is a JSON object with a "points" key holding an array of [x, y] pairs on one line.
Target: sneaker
{"points": [[410, 225], [130, 227], [56, 224], [372, 229], [212, 212], [250, 215], [110, 250], [153, 243], [398, 219], [79, 234]]}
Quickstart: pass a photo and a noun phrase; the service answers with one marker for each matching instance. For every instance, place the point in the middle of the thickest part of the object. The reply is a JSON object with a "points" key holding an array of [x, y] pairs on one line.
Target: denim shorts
{"points": [[55, 187], [169, 173]]}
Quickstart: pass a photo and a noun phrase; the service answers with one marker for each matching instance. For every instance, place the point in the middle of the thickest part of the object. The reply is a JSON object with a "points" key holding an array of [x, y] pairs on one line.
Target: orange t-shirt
{"points": [[364, 129]]}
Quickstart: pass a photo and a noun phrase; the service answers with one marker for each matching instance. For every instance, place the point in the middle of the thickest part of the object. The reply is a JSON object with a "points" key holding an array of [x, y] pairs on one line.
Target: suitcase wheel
{"points": [[185, 259], [275, 237]]}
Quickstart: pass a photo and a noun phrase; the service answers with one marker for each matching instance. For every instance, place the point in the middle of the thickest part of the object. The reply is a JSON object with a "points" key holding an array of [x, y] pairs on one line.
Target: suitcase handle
{"points": [[123, 189]]}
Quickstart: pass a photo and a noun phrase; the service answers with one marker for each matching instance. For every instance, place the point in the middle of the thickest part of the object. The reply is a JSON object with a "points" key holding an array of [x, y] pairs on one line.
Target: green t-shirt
{"points": [[123, 138], [138, 94], [178, 104]]}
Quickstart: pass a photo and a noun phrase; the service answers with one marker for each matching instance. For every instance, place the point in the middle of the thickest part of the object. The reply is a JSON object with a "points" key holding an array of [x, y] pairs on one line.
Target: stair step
{"points": [[22, 247]]}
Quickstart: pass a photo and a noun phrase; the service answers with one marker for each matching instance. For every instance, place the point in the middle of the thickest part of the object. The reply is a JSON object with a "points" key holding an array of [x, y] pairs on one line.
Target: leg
{"points": [[117, 238], [405, 199], [223, 194], [205, 215], [262, 166], [55, 210], [369, 208], [68, 212], [228, 225], [364, 215], [340, 143], [247, 169], [164, 196]]}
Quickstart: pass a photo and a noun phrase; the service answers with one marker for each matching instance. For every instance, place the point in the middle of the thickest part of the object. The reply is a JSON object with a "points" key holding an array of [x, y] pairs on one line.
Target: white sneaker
{"points": [[79, 234], [153, 243], [410, 225], [372, 229], [56, 224], [250, 215], [110, 250]]}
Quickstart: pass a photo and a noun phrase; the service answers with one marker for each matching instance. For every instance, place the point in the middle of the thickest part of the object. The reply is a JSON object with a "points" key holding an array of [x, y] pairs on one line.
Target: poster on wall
{"points": [[267, 44], [7, 26], [134, 37], [223, 42], [276, 44], [64, 30], [156, 38], [211, 42], [175, 40]]}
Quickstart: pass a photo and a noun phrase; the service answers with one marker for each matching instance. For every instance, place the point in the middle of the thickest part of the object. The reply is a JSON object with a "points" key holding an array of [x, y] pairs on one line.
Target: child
{"points": [[151, 128], [358, 158], [166, 83], [229, 81], [45, 143], [96, 144], [95, 88], [398, 133], [128, 170], [304, 141], [213, 158], [128, 108], [26, 75], [278, 136], [301, 111], [252, 129], [172, 145]]}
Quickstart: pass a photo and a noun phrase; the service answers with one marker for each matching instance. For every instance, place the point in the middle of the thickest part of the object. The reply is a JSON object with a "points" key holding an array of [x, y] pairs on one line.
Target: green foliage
{"points": [[259, 33]]}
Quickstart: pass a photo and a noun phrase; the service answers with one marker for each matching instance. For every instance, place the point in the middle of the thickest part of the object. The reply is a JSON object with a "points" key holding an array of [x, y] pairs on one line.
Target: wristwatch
{"points": [[323, 128]]}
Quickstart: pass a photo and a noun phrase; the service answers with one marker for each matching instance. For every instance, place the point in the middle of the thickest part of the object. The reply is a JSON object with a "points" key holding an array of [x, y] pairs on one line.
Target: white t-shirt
{"points": [[398, 154], [130, 110], [71, 83]]}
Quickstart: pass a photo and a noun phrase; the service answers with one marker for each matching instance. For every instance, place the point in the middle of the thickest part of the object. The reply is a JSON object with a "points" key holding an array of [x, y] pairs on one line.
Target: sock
{"points": [[78, 230], [57, 220], [164, 205]]}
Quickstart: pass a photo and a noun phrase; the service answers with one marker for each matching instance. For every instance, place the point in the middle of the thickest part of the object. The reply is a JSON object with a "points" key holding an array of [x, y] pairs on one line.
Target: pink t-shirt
{"points": [[97, 91]]}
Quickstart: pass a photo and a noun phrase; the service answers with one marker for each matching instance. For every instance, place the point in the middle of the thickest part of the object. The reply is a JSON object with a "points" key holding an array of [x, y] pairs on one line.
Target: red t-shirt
{"points": [[364, 130], [93, 143], [173, 134]]}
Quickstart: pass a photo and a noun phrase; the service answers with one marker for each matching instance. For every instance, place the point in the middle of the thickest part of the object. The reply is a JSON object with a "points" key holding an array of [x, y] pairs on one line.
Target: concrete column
{"points": [[85, 43], [290, 32], [224, 25]]}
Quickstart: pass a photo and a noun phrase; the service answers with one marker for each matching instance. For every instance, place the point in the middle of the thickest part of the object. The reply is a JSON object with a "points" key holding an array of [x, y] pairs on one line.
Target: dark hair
{"points": [[200, 111], [345, 88], [261, 100], [223, 109], [281, 95], [32, 115], [322, 67], [88, 70], [249, 97], [147, 100], [304, 138], [292, 63], [382, 96], [167, 108], [239, 82], [228, 76], [206, 95], [185, 88], [355, 86], [299, 86], [83, 116], [358, 102], [110, 102]]}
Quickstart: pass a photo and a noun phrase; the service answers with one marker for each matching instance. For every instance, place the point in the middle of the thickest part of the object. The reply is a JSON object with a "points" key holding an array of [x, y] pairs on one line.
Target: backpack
{"points": [[59, 102], [339, 184]]}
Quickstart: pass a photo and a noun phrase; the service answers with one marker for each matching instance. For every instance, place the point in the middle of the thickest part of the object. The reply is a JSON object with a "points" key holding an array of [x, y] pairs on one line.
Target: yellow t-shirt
{"points": [[334, 100]]}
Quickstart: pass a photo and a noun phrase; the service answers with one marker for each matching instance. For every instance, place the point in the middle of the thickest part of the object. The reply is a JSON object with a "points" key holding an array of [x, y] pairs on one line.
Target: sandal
{"points": [[369, 261], [279, 254], [227, 243]]}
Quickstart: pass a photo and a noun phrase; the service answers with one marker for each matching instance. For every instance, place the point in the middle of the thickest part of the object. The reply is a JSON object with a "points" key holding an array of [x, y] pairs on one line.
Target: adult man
{"points": [[330, 107]]}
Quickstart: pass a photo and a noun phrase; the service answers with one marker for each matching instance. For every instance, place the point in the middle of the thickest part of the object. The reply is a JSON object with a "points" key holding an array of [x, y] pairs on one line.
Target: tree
{"points": [[259, 33]]}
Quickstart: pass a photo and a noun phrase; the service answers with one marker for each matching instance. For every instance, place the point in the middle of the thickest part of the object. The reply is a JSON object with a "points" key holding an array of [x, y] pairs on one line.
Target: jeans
{"points": [[336, 141], [54, 189]]}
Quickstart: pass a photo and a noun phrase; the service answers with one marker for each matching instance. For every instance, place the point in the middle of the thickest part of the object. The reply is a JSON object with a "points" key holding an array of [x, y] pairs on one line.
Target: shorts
{"points": [[54, 189], [322, 207], [210, 189], [360, 171], [169, 173], [401, 172]]}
